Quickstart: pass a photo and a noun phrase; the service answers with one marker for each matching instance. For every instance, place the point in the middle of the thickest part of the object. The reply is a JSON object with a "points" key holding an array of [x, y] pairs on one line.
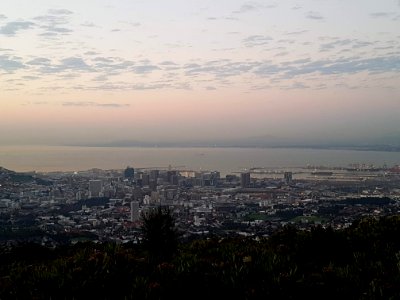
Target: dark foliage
{"points": [[159, 234], [360, 262], [366, 201]]}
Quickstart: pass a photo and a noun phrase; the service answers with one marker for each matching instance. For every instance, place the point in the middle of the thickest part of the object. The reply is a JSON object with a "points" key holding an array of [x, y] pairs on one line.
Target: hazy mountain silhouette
{"points": [[390, 142]]}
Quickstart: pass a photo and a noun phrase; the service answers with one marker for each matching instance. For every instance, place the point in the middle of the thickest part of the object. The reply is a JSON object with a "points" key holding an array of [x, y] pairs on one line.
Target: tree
{"points": [[159, 234]]}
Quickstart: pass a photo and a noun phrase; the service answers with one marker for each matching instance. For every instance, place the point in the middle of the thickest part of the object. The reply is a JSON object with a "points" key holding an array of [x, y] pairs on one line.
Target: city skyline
{"points": [[105, 71]]}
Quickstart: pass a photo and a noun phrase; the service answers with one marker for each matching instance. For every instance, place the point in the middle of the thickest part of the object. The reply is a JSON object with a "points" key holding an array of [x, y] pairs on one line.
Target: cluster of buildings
{"points": [[106, 205]]}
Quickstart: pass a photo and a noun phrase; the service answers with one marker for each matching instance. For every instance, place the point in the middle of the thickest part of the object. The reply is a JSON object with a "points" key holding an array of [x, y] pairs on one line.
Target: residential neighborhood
{"points": [[106, 205]]}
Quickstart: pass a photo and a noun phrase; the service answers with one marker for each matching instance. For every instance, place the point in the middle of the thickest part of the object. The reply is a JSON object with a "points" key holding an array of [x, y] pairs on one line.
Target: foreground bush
{"points": [[361, 262]]}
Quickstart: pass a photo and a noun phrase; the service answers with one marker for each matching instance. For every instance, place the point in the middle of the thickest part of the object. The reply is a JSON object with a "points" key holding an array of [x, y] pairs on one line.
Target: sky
{"points": [[155, 70]]}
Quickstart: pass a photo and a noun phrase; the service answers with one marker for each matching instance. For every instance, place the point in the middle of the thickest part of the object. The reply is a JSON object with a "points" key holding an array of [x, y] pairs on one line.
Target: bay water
{"points": [[225, 160]]}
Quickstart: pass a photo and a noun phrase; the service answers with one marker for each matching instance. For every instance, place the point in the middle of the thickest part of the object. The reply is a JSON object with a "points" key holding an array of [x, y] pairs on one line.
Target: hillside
{"points": [[360, 262]]}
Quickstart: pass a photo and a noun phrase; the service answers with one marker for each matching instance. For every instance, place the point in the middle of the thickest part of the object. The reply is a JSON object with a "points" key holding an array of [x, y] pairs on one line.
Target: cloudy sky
{"points": [[102, 70]]}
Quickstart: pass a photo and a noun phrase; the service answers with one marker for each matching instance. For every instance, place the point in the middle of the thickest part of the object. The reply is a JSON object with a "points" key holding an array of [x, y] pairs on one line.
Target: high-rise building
{"points": [[145, 179], [245, 179], [154, 174], [95, 188], [129, 172], [288, 177], [134, 211], [231, 178], [174, 180], [137, 193], [153, 185]]}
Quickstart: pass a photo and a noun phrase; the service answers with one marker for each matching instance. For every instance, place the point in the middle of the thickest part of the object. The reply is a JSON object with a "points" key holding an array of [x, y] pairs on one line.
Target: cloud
{"points": [[51, 31], [46, 66], [354, 43], [2, 17], [74, 63], [144, 69], [281, 54], [346, 66], [137, 86], [381, 15], [101, 78], [11, 28], [10, 64], [337, 43], [6, 50], [111, 105], [109, 86], [90, 53], [252, 6], [219, 68], [160, 85], [151, 86], [48, 34], [296, 32], [94, 104], [54, 30], [39, 61], [361, 44], [88, 24], [256, 40], [168, 63], [129, 86], [296, 86], [299, 68], [104, 59], [108, 65], [111, 65], [29, 77], [60, 12], [286, 41], [246, 8], [169, 66], [297, 62], [54, 22], [385, 48], [171, 75], [229, 18], [314, 15], [268, 69], [58, 30]]}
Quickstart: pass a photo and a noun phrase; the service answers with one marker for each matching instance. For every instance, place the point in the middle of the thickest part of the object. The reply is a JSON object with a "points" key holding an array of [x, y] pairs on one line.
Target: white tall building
{"points": [[134, 211]]}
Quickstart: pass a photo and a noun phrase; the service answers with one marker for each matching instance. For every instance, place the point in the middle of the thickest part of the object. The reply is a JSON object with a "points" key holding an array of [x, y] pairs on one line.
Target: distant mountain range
{"points": [[387, 143]]}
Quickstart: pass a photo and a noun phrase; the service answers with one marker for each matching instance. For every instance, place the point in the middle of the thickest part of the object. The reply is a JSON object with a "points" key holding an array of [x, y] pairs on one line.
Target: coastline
{"points": [[226, 159]]}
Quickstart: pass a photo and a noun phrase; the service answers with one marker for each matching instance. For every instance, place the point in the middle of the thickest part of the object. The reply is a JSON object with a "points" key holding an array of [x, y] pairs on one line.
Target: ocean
{"points": [[225, 160]]}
